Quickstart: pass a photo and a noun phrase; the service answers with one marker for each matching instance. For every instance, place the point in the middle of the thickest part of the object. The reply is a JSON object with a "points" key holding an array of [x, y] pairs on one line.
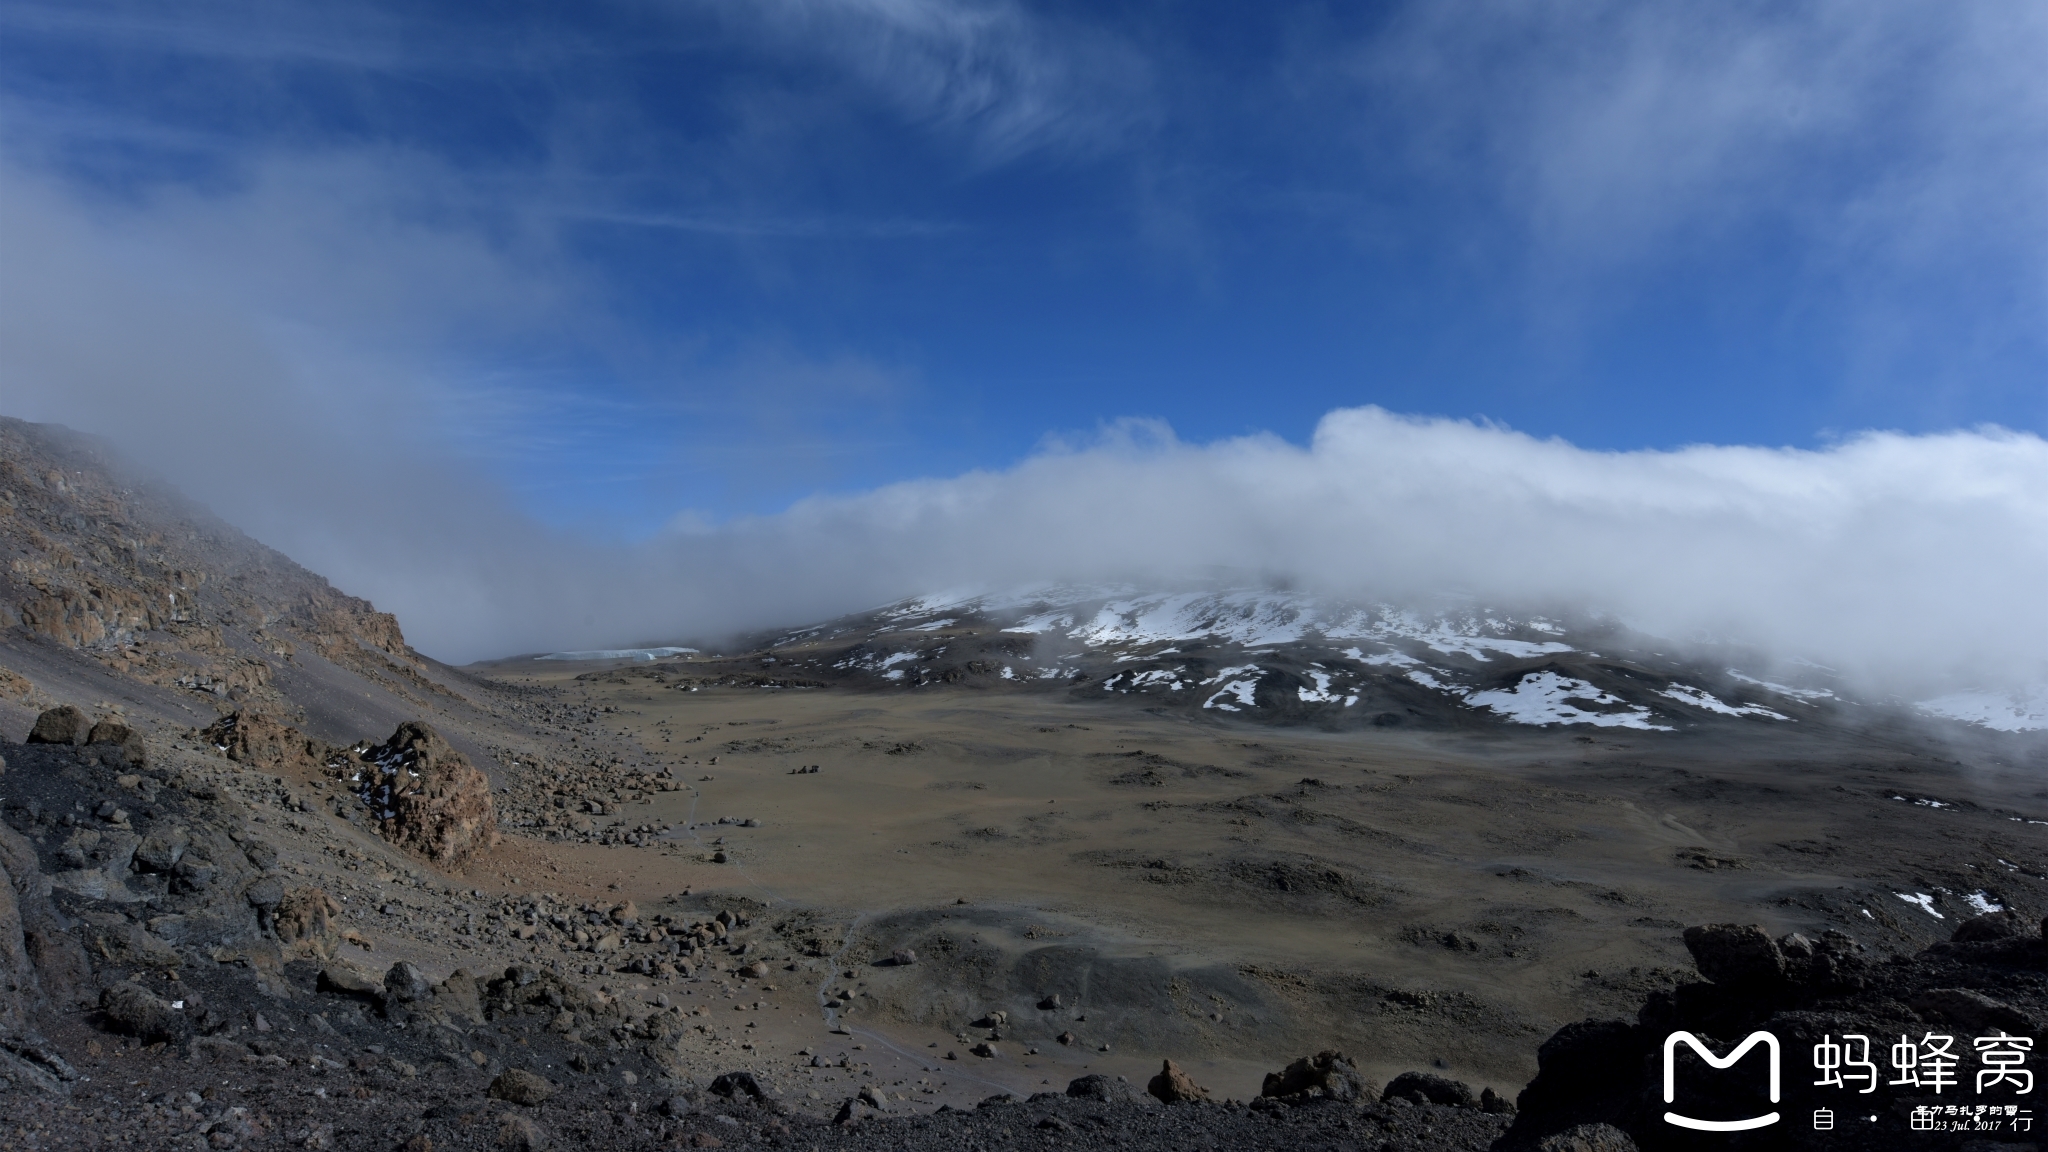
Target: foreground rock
{"points": [[1598, 1084]]}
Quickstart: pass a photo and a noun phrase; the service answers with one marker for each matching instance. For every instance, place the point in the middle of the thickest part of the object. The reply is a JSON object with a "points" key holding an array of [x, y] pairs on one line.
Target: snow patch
{"points": [[1808, 695], [1240, 689], [1983, 903], [1923, 900], [620, 654], [1700, 698], [1548, 698], [1998, 711]]}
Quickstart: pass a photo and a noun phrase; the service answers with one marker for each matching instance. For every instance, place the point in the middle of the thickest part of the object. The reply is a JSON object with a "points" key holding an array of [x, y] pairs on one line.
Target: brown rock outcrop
{"points": [[1173, 1086], [305, 917], [254, 739], [425, 796], [153, 587]]}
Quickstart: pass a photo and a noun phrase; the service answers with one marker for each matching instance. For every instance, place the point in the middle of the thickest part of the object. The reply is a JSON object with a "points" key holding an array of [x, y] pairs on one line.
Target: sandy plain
{"points": [[1232, 896]]}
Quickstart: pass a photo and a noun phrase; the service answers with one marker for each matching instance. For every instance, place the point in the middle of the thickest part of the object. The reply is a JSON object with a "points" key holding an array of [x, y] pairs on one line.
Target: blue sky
{"points": [[757, 251], [575, 326]]}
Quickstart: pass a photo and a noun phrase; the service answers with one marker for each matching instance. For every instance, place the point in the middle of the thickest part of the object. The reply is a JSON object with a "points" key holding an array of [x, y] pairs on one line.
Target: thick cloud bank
{"points": [[1913, 561]]}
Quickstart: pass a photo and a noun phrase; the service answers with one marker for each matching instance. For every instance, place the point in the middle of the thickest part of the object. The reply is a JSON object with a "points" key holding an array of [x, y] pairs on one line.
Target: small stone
{"points": [[477, 1058], [518, 1086], [985, 1050], [757, 970], [1068, 1038], [903, 956], [520, 1134]]}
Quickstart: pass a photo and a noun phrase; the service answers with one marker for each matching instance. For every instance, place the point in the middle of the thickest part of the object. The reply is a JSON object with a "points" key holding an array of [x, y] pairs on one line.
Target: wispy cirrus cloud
{"points": [[1620, 132], [1008, 80]]}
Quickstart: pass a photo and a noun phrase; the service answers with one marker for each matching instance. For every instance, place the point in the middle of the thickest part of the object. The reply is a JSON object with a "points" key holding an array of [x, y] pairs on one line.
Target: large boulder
{"points": [[1989, 926], [132, 1010], [425, 796], [63, 724], [1096, 1086], [1427, 1088], [118, 743], [1736, 955], [1328, 1074]]}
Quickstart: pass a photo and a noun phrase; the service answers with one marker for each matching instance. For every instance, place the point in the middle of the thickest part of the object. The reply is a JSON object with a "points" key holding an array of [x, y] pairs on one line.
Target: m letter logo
{"points": [[1671, 1044]]}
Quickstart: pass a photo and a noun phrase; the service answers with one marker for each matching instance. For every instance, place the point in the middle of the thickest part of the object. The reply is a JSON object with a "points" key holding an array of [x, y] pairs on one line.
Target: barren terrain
{"points": [[280, 880]]}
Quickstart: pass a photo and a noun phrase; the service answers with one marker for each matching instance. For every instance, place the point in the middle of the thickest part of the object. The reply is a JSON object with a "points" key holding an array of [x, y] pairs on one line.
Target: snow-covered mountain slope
{"points": [[1265, 656], [1284, 657]]}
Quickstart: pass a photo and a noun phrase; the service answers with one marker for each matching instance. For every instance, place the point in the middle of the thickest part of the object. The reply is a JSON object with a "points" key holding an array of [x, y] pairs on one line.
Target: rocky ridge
{"points": [[153, 588]]}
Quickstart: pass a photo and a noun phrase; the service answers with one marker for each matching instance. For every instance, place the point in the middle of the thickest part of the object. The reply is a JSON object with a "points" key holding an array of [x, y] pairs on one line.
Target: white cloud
{"points": [[1908, 560]]}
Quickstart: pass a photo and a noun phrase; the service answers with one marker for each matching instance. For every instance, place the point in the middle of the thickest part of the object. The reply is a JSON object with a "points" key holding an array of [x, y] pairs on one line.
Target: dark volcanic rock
{"points": [[133, 1010], [404, 983], [1424, 1088], [738, 1085], [1609, 1073], [1736, 955], [1989, 926], [1096, 1086], [1589, 1138]]}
